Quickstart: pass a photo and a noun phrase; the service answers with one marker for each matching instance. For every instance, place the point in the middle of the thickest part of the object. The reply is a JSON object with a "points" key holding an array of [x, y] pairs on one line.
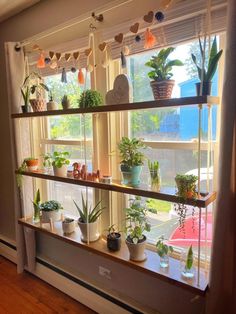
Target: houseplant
{"points": [[25, 92], [113, 239], [132, 160], [187, 264], [31, 163], [90, 98], [59, 161], [51, 104], [51, 210], [206, 71], [36, 205], [136, 218], [161, 73], [68, 225], [163, 251], [88, 220], [155, 179], [65, 102]]}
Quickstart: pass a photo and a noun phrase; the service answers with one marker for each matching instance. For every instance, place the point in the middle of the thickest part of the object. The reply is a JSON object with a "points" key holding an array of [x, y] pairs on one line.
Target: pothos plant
{"points": [[186, 189], [137, 224], [56, 159], [162, 248]]}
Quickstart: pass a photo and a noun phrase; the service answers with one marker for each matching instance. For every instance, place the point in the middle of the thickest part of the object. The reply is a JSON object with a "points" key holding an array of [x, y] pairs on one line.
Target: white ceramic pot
{"points": [[137, 251], [89, 232], [68, 226], [54, 214], [52, 105], [60, 172]]}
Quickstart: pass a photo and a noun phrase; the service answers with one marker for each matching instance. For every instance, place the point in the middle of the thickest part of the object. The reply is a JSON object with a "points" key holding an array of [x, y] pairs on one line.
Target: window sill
{"points": [[150, 266]]}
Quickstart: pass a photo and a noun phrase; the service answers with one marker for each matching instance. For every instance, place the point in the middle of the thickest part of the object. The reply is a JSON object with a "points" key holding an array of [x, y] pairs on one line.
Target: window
{"points": [[171, 138]]}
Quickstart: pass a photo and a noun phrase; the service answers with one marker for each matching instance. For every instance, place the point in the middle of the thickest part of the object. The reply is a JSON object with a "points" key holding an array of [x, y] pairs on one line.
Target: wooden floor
{"points": [[24, 294]]}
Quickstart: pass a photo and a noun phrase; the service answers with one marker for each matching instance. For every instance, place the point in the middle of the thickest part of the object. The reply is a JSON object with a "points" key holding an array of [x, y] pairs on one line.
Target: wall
{"points": [[142, 288]]}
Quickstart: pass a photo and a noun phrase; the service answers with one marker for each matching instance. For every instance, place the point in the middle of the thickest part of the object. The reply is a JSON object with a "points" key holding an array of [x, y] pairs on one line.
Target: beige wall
{"points": [[142, 288]]}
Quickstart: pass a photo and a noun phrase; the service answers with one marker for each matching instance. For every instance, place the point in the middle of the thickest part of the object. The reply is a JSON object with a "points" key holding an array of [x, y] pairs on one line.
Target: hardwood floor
{"points": [[24, 294]]}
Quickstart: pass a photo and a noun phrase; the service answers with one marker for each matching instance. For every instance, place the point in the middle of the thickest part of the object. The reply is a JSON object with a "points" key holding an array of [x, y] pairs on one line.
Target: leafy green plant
{"points": [[57, 159], [136, 218], [112, 231], [49, 206], [36, 205], [206, 73], [88, 214], [162, 65], [189, 260], [186, 184], [90, 98], [129, 152], [25, 92], [162, 248], [154, 174]]}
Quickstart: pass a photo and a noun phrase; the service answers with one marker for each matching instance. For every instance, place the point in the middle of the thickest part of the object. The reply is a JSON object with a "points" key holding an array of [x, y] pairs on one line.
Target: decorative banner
{"points": [[67, 56], [166, 3], [63, 76], [102, 47], [126, 50], [88, 52], [134, 28], [149, 17], [119, 38], [58, 56], [123, 60], [159, 16], [150, 39], [51, 54], [81, 77], [76, 55], [35, 47], [53, 65], [89, 68], [41, 62]]}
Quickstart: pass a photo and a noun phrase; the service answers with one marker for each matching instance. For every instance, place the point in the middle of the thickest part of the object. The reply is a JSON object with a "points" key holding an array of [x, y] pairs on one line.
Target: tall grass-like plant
{"points": [[87, 213]]}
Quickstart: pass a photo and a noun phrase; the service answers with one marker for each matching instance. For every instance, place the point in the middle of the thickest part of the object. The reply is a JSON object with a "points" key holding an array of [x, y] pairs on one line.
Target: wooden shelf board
{"points": [[116, 186], [172, 102], [150, 266]]}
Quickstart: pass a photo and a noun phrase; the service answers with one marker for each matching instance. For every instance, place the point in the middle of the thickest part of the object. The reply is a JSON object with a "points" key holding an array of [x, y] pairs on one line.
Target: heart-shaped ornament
{"points": [[51, 54], [58, 56], [102, 46], [88, 52], [67, 56], [149, 17], [119, 38], [134, 28], [76, 55]]}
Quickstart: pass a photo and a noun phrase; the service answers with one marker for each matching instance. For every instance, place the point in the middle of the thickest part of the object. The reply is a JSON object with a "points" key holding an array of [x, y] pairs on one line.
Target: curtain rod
{"points": [[72, 22]]}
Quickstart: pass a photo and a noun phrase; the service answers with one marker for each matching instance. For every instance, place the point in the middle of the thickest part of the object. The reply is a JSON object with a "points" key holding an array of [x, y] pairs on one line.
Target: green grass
{"points": [[155, 206]]}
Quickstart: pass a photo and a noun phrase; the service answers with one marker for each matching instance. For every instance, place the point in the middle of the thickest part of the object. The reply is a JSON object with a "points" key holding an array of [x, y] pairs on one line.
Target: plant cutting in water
{"points": [[154, 174]]}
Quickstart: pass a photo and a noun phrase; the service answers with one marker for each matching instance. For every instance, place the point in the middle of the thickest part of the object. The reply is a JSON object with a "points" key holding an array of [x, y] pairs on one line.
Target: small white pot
{"points": [[54, 214], [68, 227], [89, 232], [52, 105], [137, 251], [60, 172]]}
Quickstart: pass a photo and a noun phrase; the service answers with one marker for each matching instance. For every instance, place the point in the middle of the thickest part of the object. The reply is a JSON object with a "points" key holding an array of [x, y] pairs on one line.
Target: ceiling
{"points": [[9, 8]]}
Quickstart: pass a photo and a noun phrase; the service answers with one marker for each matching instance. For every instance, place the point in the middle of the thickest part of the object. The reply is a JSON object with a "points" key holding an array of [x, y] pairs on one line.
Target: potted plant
{"points": [[186, 185], [163, 251], [161, 73], [132, 160], [59, 161], [51, 210], [187, 264], [68, 225], [113, 239], [88, 220], [25, 92], [36, 205], [206, 70], [155, 179], [31, 163], [51, 104], [136, 217], [90, 98], [65, 101]]}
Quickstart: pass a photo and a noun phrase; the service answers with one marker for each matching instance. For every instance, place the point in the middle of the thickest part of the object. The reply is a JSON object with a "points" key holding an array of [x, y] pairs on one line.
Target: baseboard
{"points": [[85, 293]]}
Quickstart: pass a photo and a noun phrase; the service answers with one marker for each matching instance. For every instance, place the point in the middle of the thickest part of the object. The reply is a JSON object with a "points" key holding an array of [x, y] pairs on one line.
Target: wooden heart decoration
{"points": [[51, 54], [149, 17], [134, 28], [121, 92], [119, 38], [102, 46], [58, 56], [88, 52], [76, 55], [67, 56]]}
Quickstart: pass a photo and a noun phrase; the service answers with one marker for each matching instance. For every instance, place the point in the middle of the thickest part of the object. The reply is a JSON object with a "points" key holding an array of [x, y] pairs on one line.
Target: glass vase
{"points": [[186, 272], [36, 214], [155, 180], [164, 261]]}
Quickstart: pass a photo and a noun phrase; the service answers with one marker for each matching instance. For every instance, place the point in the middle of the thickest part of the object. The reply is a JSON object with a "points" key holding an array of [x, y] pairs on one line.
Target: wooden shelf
{"points": [[116, 186], [172, 102], [150, 266]]}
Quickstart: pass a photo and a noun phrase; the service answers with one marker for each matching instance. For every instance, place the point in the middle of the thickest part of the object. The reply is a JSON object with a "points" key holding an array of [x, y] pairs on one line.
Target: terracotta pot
{"points": [[89, 231], [37, 105], [162, 89], [137, 251], [32, 164]]}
